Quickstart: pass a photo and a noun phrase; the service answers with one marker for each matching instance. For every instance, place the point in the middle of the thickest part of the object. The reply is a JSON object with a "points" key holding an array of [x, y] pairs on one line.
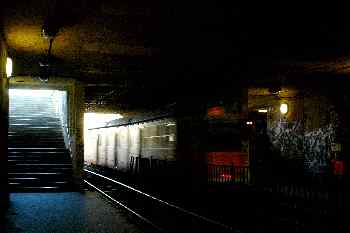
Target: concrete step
{"points": [[34, 160], [27, 117], [34, 140], [13, 165], [59, 145], [43, 175], [14, 135], [33, 128], [35, 137], [36, 149], [41, 187], [31, 156], [19, 151], [42, 156], [54, 175], [35, 133], [37, 145], [37, 169], [32, 181], [14, 162], [22, 164], [35, 114], [37, 157]]}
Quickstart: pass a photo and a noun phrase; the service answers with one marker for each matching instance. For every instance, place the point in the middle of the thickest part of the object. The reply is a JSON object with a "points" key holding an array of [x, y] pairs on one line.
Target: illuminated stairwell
{"points": [[37, 157]]}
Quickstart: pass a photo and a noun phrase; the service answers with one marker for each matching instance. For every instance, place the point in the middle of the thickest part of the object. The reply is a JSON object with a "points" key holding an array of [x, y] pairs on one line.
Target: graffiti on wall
{"points": [[313, 148], [317, 148]]}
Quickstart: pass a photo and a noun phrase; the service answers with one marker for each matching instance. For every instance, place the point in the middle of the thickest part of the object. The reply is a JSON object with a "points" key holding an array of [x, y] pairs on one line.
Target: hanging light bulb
{"points": [[284, 108]]}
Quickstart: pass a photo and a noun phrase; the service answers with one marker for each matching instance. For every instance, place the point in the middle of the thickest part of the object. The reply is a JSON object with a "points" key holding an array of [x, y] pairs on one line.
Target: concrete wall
{"points": [[75, 131], [3, 124], [61, 107]]}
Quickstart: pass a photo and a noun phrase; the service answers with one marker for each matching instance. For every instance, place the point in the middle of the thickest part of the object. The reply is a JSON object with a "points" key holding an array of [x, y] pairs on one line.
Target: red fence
{"points": [[228, 174]]}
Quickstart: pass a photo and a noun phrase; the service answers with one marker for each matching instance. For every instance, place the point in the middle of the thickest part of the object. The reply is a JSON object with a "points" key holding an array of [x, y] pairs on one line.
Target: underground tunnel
{"points": [[129, 116]]}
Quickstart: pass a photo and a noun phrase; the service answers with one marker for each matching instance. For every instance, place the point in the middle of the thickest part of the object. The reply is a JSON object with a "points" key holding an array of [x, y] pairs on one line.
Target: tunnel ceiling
{"points": [[109, 37], [93, 37], [153, 47]]}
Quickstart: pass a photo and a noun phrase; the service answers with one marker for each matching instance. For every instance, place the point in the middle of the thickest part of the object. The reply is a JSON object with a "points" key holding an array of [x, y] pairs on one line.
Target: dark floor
{"points": [[64, 213]]}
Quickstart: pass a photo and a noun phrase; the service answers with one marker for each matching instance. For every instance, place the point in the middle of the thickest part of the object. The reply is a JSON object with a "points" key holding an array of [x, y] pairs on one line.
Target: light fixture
{"points": [[249, 123], [262, 110], [8, 67], [284, 108]]}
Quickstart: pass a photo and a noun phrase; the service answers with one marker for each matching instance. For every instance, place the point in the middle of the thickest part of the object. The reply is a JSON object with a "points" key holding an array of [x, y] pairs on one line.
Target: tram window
{"points": [[224, 137]]}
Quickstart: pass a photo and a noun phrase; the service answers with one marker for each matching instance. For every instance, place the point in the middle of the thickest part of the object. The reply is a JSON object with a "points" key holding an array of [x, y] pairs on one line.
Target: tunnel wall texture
{"points": [[4, 124], [304, 136]]}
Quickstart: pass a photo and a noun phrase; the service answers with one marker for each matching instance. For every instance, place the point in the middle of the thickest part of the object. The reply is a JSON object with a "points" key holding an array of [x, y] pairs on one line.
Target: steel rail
{"points": [[167, 203], [125, 207]]}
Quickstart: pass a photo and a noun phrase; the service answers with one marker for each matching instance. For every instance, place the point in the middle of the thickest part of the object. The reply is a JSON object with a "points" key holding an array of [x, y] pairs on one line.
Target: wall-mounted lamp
{"points": [[8, 67], [284, 108]]}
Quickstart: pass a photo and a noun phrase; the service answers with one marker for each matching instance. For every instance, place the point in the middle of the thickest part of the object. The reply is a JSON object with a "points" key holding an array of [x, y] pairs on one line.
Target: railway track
{"points": [[159, 215]]}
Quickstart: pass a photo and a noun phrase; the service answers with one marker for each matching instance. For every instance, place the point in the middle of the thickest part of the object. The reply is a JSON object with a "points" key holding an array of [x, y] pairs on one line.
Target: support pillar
{"points": [[76, 120]]}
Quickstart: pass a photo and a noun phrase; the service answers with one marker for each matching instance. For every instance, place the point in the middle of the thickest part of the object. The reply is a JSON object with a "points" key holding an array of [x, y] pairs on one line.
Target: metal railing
{"points": [[228, 174]]}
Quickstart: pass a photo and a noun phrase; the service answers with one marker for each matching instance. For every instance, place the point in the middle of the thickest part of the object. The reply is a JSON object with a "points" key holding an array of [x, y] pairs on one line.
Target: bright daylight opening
{"points": [[34, 113], [95, 120], [55, 97], [30, 92]]}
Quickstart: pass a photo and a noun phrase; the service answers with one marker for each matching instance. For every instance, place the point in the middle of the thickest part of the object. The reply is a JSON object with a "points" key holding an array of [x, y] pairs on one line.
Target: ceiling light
{"points": [[8, 67], [284, 108]]}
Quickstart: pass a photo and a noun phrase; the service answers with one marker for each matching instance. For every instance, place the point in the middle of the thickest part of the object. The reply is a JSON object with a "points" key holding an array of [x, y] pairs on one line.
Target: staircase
{"points": [[37, 158]]}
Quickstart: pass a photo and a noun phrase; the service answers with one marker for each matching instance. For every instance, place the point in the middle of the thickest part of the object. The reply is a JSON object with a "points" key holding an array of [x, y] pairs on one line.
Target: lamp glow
{"points": [[262, 110], [8, 67], [284, 108]]}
